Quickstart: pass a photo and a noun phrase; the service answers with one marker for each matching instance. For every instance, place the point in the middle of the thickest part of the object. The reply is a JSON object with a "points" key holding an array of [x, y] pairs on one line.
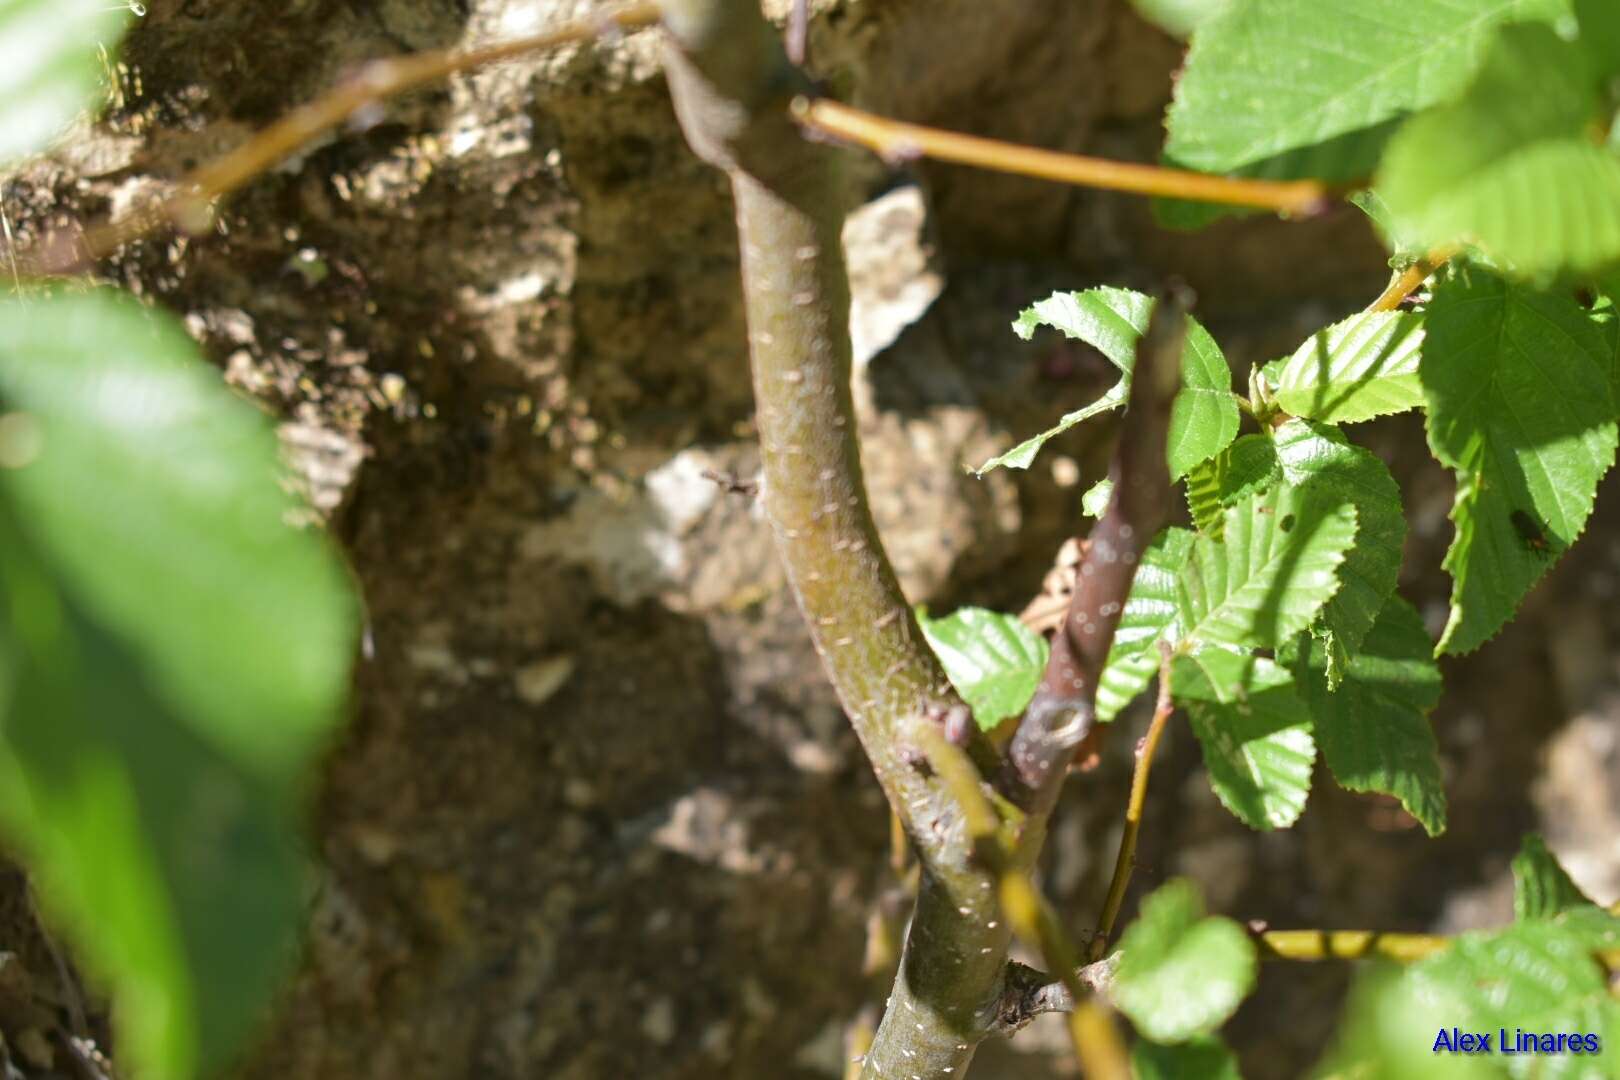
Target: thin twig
{"points": [[1407, 281], [897, 141], [1347, 945], [1097, 1043], [375, 82], [1133, 810]]}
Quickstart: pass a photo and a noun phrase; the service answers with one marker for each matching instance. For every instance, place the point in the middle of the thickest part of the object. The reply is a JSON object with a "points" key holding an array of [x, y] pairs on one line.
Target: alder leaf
{"points": [[1538, 977], [1149, 615], [1204, 416], [1296, 88], [1516, 382], [1363, 367], [1247, 466], [1541, 887], [1511, 167], [1181, 973], [1319, 458], [1271, 574], [993, 660], [1374, 729], [1254, 731]]}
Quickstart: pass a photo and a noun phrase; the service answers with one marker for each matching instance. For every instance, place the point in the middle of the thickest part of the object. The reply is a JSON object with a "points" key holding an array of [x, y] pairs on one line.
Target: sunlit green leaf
{"points": [[1292, 88], [1247, 466], [1318, 458], [993, 660], [1254, 730], [1363, 367], [1271, 574], [1517, 386], [1511, 167], [1149, 615], [1541, 887], [1181, 974], [172, 658], [1204, 416]]}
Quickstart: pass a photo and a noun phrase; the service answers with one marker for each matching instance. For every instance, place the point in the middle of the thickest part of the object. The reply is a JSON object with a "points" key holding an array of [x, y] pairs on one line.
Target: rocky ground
{"points": [[597, 813]]}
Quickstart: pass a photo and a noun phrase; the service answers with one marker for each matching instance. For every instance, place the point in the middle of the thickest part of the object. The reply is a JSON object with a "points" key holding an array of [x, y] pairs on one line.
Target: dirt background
{"points": [[597, 813]]}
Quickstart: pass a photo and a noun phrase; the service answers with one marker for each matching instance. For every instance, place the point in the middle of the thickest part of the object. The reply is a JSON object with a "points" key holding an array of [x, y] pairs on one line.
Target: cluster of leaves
{"points": [[1280, 604], [1182, 975], [1486, 130], [173, 652]]}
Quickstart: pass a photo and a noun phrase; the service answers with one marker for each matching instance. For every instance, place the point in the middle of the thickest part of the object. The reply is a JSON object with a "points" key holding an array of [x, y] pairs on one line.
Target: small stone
{"points": [[658, 1024], [537, 682]]}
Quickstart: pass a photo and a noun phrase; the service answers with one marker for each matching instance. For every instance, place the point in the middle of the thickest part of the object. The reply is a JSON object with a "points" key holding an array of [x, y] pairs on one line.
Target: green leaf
{"points": [[1181, 974], [1319, 458], [1363, 367], [1204, 416], [1247, 466], [175, 873], [1179, 18], [1255, 733], [172, 657], [1599, 22], [1292, 88], [1519, 406], [1271, 574], [156, 496], [1511, 166], [1022, 456], [1205, 1058], [1374, 730], [1534, 976], [1149, 614], [54, 70], [993, 660], [1094, 503], [1389, 1032], [1541, 887], [1404, 249]]}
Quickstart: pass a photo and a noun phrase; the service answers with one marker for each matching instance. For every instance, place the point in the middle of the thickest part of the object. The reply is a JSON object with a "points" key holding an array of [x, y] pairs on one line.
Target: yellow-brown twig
{"points": [[374, 83], [1408, 280], [1126, 861], [899, 141], [1347, 945]]}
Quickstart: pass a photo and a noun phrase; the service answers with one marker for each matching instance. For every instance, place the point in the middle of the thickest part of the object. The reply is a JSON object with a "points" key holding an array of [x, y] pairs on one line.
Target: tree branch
{"points": [[897, 141], [731, 84], [1061, 714]]}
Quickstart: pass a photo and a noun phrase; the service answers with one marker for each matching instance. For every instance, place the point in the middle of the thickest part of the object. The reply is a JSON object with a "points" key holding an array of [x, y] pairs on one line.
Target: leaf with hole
{"points": [[1276, 566], [1319, 459]]}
